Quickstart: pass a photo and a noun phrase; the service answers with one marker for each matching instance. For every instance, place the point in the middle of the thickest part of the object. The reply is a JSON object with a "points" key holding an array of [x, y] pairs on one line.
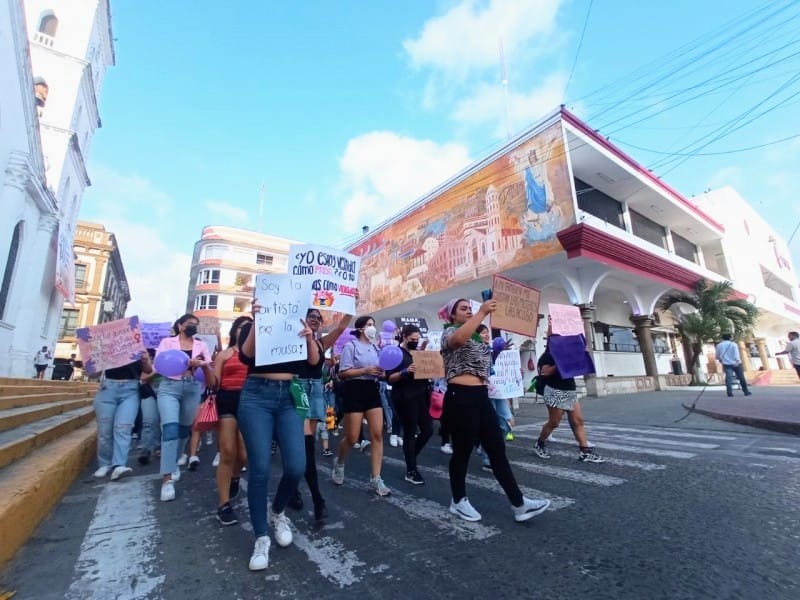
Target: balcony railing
{"points": [[44, 39]]}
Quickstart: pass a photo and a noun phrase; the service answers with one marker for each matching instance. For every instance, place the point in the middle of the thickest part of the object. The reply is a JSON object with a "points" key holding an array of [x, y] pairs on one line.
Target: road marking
{"points": [[118, 553], [671, 432], [334, 562], [777, 449], [620, 462], [433, 512], [556, 502], [650, 440], [632, 449], [570, 474]]}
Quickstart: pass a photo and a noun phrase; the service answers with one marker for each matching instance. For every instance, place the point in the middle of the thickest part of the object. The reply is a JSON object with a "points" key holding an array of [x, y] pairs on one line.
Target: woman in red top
{"points": [[230, 373]]}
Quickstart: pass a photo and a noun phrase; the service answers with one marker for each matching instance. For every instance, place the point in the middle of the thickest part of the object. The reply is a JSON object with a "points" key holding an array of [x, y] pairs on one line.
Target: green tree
{"points": [[716, 311]]}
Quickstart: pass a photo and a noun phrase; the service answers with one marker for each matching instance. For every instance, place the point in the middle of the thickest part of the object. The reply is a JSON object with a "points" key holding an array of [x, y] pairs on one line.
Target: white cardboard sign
{"points": [[283, 300], [330, 276]]}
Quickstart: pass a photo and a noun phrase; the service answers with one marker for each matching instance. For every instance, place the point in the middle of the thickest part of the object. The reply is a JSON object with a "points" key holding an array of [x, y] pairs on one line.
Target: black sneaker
{"points": [[320, 511], [327, 452], [414, 477], [296, 502], [540, 450], [226, 516], [144, 457], [233, 490]]}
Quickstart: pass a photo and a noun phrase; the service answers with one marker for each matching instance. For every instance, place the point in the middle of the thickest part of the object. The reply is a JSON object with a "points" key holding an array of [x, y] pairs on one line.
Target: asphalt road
{"points": [[695, 509]]}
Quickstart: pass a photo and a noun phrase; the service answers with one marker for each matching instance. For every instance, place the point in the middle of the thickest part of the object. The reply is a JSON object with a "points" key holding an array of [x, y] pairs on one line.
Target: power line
{"points": [[580, 44], [772, 143]]}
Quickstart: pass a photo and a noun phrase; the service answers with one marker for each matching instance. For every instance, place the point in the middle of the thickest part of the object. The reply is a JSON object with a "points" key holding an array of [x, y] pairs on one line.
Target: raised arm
{"points": [[329, 339], [464, 333]]}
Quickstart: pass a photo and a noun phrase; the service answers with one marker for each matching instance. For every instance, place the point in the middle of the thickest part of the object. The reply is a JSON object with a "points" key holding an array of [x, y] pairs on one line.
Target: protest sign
{"points": [[565, 319], [418, 321], [329, 275], [429, 364], [112, 344], [435, 340], [207, 325], [506, 382], [570, 355], [153, 333], [283, 301], [517, 306]]}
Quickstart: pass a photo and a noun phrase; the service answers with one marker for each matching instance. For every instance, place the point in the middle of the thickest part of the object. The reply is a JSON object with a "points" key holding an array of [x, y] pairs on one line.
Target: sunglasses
{"points": [[314, 317]]}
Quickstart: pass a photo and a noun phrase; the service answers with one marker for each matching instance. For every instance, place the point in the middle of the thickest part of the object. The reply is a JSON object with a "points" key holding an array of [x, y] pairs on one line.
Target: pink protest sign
{"points": [[566, 319], [112, 344]]}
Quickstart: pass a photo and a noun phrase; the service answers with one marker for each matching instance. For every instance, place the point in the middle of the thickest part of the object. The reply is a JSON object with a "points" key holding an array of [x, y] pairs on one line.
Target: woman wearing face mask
{"points": [[178, 399], [410, 397], [310, 377], [469, 412], [359, 370]]}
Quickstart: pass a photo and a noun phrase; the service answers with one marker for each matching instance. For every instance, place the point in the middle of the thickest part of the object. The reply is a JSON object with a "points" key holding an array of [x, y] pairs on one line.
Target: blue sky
{"points": [[347, 111]]}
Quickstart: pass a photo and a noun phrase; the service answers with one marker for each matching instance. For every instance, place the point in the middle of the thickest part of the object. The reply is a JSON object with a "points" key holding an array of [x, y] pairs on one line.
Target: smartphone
{"points": [[486, 295]]}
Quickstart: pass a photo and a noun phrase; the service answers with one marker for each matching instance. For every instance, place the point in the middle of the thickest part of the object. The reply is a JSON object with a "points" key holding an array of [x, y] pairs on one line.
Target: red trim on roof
{"points": [[576, 122], [791, 309]]}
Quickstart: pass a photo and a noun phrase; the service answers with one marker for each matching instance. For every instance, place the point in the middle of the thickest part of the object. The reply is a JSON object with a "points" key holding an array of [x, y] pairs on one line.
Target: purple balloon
{"points": [[391, 357], [340, 342], [389, 326], [498, 344], [200, 375], [171, 363]]}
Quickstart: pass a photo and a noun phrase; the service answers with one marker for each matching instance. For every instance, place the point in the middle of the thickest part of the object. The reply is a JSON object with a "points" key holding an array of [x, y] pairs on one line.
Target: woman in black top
{"points": [[410, 398], [560, 396]]}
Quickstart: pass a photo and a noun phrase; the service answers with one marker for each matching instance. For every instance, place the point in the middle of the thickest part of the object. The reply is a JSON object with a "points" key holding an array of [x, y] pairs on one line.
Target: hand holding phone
{"points": [[486, 294]]}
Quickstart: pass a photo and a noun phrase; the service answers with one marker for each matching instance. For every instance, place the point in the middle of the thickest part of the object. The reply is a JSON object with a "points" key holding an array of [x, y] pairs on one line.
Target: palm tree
{"points": [[717, 311]]}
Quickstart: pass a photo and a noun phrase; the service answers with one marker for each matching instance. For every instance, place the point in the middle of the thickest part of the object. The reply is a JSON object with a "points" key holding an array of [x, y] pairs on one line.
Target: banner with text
{"points": [[153, 333], [283, 300], [506, 382], [517, 306], [110, 345], [418, 321], [429, 364], [329, 275], [65, 262], [565, 319]]}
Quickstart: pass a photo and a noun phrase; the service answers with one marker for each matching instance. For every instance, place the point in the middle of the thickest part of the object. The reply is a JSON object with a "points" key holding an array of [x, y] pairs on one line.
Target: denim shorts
{"points": [[316, 398]]}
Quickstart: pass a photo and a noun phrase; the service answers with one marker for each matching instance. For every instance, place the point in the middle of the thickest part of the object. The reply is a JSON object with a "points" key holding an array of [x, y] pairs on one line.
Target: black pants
{"points": [[472, 420], [413, 413]]}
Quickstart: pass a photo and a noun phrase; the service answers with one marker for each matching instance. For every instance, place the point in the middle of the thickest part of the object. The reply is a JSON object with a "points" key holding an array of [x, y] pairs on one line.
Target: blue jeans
{"points": [[266, 410], [115, 405], [390, 416], [316, 398], [151, 432], [178, 400], [738, 371], [503, 414]]}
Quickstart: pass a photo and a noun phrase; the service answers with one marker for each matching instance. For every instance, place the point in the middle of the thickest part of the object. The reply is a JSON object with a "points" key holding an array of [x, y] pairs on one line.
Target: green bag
{"points": [[299, 398]]}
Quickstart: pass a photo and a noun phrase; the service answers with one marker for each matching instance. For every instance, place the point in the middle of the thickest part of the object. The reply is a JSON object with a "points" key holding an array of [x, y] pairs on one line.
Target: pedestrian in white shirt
{"points": [[793, 350], [728, 355]]}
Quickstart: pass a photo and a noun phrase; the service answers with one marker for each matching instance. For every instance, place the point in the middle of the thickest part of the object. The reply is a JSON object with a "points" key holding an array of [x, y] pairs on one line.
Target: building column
{"points": [[587, 314], [761, 344], [642, 326], [744, 352]]}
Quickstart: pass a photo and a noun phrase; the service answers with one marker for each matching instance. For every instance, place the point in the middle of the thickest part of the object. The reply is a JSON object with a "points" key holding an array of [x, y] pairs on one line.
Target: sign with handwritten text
{"points": [[110, 345], [283, 301], [429, 364], [330, 276], [517, 306], [153, 333], [506, 382], [565, 319]]}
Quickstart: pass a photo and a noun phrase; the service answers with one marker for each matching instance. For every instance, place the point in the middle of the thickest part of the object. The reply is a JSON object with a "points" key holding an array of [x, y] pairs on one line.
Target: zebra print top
{"points": [[473, 358]]}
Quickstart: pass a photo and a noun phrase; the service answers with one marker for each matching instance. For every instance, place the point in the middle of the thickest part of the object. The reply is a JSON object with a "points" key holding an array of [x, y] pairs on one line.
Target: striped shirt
{"points": [[473, 358]]}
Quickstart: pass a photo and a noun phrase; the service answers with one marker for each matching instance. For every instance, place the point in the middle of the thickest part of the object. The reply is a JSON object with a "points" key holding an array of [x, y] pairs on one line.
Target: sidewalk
{"points": [[775, 408]]}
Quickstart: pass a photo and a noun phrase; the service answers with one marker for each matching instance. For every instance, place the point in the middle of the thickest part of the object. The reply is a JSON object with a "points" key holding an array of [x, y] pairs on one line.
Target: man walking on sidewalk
{"points": [[793, 350], [728, 355]]}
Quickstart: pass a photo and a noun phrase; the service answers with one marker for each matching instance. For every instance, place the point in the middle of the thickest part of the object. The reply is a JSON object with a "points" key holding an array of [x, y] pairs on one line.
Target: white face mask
{"points": [[371, 332]]}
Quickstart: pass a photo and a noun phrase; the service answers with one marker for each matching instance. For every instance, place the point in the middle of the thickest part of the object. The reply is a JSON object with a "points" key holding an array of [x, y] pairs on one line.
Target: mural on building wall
{"points": [[504, 215]]}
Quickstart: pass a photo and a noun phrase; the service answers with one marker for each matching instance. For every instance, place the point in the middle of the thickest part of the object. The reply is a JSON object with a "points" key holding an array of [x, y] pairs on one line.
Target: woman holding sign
{"points": [[266, 409], [470, 414]]}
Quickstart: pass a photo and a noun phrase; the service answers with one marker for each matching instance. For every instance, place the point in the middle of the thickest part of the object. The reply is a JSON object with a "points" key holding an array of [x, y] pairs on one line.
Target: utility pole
{"points": [[504, 81]]}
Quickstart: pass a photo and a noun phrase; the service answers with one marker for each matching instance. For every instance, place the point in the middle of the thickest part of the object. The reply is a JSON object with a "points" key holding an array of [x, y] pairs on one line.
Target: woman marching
{"points": [[266, 408], [178, 399], [310, 377], [359, 370], [230, 373], [410, 398], [469, 412]]}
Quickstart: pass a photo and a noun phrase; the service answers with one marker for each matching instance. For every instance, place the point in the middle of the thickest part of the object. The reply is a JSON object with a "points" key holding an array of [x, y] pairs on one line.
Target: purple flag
{"points": [[569, 352]]}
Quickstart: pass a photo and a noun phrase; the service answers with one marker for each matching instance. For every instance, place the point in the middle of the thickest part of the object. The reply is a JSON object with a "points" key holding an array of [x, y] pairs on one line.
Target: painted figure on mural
{"points": [[543, 218]]}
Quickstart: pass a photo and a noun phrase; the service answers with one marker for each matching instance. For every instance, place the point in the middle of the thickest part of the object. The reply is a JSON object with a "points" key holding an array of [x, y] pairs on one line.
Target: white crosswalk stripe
{"points": [[653, 440], [586, 477], [672, 433], [620, 448], [620, 462]]}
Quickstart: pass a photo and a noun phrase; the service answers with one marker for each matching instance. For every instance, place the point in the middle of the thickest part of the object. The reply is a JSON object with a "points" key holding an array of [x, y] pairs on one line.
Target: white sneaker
{"points": [[176, 474], [399, 441], [281, 528], [215, 462], [337, 473], [259, 560], [447, 448], [529, 509], [393, 441], [465, 510], [364, 445], [194, 462], [101, 472], [120, 472], [183, 460], [167, 491], [357, 446], [379, 487]]}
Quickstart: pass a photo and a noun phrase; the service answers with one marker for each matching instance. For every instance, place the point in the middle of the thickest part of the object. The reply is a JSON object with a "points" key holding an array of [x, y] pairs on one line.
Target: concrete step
{"points": [[33, 485], [21, 441], [32, 381], [15, 417], [7, 402]]}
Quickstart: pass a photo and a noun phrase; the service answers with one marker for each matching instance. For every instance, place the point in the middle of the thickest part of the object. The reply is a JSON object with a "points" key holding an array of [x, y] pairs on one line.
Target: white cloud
{"points": [[383, 172], [466, 37], [229, 212]]}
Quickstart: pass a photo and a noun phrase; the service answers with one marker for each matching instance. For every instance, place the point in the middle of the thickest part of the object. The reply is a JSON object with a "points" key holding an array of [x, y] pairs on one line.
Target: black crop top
{"points": [[309, 371], [292, 367]]}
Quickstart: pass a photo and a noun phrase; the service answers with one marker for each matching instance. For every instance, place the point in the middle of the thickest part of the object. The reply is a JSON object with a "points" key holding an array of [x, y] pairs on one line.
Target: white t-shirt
{"points": [[42, 358], [793, 347]]}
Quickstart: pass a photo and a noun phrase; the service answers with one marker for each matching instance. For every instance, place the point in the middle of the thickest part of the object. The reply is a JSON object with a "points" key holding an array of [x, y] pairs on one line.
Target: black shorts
{"points": [[41, 368], [360, 395], [228, 403]]}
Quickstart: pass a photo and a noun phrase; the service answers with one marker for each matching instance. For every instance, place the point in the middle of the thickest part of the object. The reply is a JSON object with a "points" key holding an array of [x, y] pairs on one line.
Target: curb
{"points": [[770, 424]]}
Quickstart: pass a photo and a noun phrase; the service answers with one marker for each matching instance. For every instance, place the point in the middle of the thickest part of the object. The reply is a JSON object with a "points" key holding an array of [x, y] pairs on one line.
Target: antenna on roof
{"points": [[504, 82]]}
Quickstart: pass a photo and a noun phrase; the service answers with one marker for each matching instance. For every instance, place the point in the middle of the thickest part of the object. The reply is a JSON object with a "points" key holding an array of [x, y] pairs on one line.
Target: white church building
{"points": [[53, 58]]}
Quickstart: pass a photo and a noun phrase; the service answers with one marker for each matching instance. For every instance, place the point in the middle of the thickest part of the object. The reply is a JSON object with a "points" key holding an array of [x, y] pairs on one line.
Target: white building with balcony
{"points": [[224, 266]]}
